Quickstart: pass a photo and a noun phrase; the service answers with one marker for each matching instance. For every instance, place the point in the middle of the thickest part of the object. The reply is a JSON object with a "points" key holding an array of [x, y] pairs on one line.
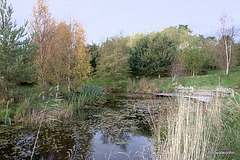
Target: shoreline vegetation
{"points": [[191, 130], [197, 128], [49, 74]]}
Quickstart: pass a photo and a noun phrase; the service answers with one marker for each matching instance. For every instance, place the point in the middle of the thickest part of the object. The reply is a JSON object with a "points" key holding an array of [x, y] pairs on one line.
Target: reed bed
{"points": [[56, 115], [28, 114], [90, 94], [191, 130]]}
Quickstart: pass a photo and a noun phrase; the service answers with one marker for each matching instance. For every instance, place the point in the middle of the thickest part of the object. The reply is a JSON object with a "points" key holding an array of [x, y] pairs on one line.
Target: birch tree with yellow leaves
{"points": [[70, 60], [79, 67], [62, 58], [43, 26]]}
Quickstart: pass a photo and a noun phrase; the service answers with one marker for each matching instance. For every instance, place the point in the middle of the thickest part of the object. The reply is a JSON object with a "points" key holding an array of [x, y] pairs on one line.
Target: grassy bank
{"points": [[31, 109], [211, 81], [109, 84]]}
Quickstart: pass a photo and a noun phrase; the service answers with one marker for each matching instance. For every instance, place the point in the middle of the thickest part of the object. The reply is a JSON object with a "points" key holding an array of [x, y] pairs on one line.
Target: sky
{"points": [[106, 18]]}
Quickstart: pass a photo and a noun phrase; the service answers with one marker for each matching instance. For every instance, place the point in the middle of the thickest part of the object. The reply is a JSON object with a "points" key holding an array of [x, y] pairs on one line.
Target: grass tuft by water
{"points": [[90, 94]]}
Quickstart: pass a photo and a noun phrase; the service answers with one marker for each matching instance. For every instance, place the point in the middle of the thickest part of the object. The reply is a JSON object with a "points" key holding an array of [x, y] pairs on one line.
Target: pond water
{"points": [[114, 130]]}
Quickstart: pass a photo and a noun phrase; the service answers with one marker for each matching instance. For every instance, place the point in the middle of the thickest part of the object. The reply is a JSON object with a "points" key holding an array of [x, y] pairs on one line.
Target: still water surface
{"points": [[114, 130]]}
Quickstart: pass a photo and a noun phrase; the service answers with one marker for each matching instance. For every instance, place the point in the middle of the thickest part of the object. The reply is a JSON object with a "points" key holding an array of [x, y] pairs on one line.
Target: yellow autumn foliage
{"points": [[62, 59]]}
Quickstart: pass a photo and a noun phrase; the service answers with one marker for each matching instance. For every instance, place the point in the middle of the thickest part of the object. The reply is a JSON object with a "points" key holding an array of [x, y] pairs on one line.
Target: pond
{"points": [[115, 130]]}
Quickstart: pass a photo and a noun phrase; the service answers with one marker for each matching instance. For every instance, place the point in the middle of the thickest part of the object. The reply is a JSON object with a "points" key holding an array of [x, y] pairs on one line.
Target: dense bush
{"points": [[152, 54]]}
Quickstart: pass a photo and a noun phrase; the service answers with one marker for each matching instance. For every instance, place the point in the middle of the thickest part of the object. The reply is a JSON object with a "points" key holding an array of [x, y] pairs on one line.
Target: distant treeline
{"points": [[56, 53]]}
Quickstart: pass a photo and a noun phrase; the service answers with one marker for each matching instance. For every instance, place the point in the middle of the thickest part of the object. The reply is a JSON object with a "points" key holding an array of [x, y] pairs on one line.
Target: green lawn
{"points": [[211, 80], [165, 84]]}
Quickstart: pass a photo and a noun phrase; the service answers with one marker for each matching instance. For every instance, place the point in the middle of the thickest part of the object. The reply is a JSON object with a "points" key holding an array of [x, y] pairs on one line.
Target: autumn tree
{"points": [[55, 74], [79, 67], [62, 56], [67, 59], [113, 59], [227, 35], [16, 51], [43, 27]]}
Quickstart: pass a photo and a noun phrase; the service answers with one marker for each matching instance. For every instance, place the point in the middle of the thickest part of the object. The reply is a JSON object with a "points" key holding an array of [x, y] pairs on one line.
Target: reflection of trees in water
{"points": [[83, 145], [143, 129], [115, 131], [54, 143], [65, 141], [75, 136], [120, 139], [118, 125]]}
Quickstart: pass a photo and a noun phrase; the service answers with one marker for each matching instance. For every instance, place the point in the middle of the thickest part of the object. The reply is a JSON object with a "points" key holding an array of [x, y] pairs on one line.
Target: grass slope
{"points": [[211, 80], [208, 82]]}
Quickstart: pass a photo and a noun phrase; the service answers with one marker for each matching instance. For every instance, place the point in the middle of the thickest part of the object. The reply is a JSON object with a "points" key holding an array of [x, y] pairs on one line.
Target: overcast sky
{"points": [[106, 18]]}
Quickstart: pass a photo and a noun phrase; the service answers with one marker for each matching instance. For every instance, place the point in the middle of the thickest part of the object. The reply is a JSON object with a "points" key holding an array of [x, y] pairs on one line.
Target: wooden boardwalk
{"points": [[196, 97], [200, 95]]}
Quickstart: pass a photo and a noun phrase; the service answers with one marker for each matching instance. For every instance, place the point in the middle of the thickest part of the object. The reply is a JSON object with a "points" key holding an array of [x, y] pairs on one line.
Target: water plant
{"points": [[6, 117], [143, 85], [90, 94], [23, 109], [129, 85], [6, 113]]}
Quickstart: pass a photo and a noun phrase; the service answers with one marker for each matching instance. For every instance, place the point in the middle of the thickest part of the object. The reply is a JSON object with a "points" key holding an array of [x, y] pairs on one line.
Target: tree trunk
{"points": [[58, 85], [227, 68], [43, 80], [69, 68], [227, 57], [57, 92]]}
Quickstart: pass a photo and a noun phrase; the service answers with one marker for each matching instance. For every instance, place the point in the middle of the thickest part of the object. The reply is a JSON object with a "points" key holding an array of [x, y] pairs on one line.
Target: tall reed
{"points": [[129, 85], [192, 131], [23, 108], [90, 94], [28, 113], [143, 85]]}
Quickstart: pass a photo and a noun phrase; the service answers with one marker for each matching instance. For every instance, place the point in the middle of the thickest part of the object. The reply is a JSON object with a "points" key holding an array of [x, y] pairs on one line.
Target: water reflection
{"points": [[114, 130]]}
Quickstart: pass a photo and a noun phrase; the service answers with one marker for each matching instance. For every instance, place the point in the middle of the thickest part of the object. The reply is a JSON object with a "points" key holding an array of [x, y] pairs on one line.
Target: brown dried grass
{"points": [[34, 117], [191, 131]]}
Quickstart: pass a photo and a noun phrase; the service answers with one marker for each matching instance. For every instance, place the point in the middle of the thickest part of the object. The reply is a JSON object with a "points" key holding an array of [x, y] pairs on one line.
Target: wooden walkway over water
{"points": [[200, 95], [196, 97]]}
